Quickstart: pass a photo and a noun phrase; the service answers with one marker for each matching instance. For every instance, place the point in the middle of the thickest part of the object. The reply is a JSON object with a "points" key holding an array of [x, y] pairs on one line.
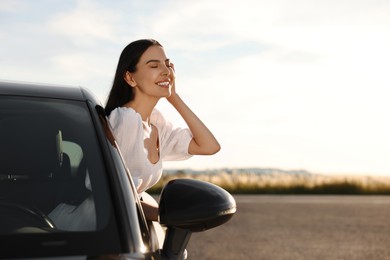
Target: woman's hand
{"points": [[172, 78]]}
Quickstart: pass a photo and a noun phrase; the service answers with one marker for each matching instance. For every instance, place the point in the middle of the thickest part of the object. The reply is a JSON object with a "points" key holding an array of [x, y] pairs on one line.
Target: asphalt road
{"points": [[299, 227]]}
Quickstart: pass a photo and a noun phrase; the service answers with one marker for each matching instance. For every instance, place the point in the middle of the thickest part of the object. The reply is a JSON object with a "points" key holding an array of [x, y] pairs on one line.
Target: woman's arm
{"points": [[150, 211], [149, 206], [203, 142]]}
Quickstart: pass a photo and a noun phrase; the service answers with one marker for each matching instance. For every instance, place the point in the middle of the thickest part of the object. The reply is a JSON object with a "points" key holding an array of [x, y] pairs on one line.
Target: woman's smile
{"points": [[163, 84]]}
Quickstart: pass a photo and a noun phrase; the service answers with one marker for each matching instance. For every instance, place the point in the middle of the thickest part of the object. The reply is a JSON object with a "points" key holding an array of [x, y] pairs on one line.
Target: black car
{"points": [[65, 192]]}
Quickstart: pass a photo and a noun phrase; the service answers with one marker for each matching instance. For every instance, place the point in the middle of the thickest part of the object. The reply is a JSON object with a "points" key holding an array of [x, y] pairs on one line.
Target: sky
{"points": [[290, 84]]}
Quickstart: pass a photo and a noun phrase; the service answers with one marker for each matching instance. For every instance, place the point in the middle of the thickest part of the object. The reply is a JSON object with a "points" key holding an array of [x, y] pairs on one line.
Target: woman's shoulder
{"points": [[123, 114], [157, 118], [156, 113]]}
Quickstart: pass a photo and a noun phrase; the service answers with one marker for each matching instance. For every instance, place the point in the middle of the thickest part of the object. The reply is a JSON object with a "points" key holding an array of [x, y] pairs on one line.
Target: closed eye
{"points": [[156, 63]]}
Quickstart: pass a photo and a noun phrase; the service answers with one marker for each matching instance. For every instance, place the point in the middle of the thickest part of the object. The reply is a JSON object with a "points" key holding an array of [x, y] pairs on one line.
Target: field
{"points": [[299, 227], [241, 182]]}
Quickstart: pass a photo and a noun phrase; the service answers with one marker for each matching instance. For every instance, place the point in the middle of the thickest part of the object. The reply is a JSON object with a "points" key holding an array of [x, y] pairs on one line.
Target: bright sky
{"points": [[291, 84]]}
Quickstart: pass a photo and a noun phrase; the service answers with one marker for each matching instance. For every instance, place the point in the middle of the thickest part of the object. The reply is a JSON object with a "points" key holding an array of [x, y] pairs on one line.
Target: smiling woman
{"points": [[145, 75]]}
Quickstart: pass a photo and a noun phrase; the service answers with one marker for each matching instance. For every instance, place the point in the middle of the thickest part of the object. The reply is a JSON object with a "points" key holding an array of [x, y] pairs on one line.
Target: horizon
{"points": [[270, 170]]}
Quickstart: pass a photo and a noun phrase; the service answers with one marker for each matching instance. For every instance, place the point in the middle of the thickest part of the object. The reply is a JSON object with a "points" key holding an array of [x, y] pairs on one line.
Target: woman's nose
{"points": [[166, 70]]}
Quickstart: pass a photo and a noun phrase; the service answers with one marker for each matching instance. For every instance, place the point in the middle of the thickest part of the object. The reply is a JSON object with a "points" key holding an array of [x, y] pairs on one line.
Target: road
{"points": [[299, 227]]}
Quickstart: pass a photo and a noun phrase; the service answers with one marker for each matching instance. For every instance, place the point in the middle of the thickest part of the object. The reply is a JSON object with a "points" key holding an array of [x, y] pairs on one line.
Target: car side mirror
{"points": [[188, 205]]}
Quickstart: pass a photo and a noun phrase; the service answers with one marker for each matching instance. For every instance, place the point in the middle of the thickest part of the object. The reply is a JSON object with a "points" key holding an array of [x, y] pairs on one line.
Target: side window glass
{"points": [[52, 176]]}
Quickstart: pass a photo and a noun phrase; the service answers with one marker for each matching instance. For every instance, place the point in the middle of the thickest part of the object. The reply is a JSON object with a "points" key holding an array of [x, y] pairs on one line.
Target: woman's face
{"points": [[152, 76]]}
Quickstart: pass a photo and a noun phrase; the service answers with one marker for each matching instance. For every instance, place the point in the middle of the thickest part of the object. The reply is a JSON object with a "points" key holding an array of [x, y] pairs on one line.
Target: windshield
{"points": [[51, 170]]}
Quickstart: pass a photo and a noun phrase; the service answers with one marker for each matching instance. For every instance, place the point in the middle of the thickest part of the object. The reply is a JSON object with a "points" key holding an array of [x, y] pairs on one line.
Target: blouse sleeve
{"points": [[127, 130], [174, 142]]}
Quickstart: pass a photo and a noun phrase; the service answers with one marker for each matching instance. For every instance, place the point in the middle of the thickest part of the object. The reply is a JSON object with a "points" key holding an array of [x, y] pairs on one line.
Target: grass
{"points": [[286, 183]]}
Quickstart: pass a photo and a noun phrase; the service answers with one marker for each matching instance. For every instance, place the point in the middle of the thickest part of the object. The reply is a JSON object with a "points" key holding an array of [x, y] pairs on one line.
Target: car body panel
{"points": [[44, 91]]}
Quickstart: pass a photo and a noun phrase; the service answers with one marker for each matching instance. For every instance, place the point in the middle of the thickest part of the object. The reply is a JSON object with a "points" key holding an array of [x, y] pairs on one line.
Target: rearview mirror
{"points": [[195, 205], [188, 205]]}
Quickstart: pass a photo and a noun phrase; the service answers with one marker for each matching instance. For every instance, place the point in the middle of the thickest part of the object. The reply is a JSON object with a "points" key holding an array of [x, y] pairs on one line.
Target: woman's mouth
{"points": [[163, 84]]}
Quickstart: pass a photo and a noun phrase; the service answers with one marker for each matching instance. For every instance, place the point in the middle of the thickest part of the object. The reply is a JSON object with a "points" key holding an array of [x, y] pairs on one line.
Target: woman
{"points": [[145, 75]]}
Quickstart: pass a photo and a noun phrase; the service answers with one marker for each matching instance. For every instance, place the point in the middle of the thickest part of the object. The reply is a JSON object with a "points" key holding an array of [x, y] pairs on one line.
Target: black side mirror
{"points": [[187, 206]]}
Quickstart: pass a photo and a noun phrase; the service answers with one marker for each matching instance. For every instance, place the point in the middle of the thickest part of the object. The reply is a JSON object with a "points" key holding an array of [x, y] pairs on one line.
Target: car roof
{"points": [[45, 91]]}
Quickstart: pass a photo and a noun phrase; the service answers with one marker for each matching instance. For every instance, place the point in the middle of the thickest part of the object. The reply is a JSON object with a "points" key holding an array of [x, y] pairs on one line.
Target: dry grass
{"points": [[286, 183]]}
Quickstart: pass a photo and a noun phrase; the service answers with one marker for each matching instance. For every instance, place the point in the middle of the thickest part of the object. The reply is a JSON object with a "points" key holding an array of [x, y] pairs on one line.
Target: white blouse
{"points": [[130, 132]]}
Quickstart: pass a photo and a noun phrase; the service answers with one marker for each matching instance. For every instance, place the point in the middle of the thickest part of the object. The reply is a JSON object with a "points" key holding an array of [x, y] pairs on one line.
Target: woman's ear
{"points": [[130, 79]]}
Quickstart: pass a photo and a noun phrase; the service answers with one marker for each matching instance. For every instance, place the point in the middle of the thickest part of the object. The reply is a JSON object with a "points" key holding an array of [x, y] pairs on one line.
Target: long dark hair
{"points": [[121, 92]]}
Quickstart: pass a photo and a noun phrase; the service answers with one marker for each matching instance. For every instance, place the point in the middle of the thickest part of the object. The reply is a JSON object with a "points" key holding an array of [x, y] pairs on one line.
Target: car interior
{"points": [[45, 180]]}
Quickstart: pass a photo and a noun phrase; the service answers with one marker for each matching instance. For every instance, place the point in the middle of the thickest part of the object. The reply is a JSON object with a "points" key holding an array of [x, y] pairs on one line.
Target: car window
{"points": [[51, 168]]}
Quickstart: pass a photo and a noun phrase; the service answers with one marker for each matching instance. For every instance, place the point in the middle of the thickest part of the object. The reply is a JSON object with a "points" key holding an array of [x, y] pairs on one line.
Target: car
{"points": [[66, 193]]}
